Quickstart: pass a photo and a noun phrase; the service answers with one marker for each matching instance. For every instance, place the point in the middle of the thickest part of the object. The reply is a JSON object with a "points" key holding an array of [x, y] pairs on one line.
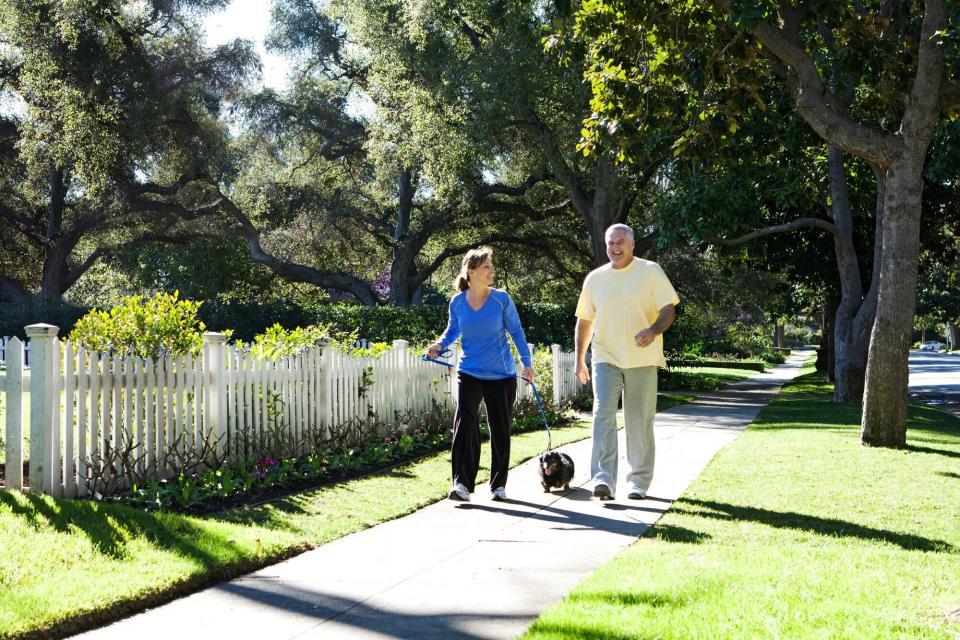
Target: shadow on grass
{"points": [[670, 533], [110, 527], [950, 453], [949, 474], [824, 526], [628, 599], [579, 632]]}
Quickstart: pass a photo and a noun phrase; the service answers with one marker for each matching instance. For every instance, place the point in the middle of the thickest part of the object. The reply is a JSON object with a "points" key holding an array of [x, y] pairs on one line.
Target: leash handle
{"points": [[446, 353]]}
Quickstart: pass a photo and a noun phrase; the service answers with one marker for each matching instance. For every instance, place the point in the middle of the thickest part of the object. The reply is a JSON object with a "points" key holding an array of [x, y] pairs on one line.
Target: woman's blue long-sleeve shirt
{"points": [[485, 350]]}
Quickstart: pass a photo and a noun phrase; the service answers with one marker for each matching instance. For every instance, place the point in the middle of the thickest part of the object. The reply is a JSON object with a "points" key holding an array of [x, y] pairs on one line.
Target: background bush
{"points": [[544, 323], [146, 328], [14, 317]]}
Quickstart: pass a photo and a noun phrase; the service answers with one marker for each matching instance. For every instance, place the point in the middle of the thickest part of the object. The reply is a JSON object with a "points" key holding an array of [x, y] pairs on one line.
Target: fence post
{"points": [[44, 399], [323, 411], [557, 378], [14, 430], [402, 402], [216, 388]]}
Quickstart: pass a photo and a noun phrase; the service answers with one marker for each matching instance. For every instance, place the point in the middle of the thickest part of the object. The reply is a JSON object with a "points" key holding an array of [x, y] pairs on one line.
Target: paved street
{"points": [[935, 378]]}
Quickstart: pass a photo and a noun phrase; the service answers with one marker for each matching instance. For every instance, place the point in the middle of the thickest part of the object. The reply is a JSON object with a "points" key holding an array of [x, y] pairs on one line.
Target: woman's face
{"points": [[483, 274]]}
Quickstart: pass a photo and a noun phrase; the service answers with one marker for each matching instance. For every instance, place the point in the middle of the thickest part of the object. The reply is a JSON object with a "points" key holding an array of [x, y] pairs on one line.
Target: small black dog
{"points": [[556, 470]]}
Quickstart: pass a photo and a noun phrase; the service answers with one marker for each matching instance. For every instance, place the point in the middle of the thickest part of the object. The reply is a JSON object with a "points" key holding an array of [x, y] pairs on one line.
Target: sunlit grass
{"points": [[64, 561], [795, 530]]}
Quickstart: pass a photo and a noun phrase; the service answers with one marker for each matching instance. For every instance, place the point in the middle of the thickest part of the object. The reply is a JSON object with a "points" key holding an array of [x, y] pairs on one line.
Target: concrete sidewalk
{"points": [[482, 569]]}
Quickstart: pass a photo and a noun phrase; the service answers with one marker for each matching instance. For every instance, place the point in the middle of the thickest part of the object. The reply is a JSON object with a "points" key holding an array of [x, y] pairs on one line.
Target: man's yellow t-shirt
{"points": [[621, 303]]}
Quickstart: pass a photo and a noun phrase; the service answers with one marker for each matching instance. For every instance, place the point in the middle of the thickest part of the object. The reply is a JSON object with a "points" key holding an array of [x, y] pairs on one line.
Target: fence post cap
{"points": [[397, 344], [41, 330], [215, 338], [323, 342]]}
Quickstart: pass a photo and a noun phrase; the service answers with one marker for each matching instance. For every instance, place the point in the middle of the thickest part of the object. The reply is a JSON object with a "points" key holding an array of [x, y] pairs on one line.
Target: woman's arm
{"points": [[450, 334], [511, 319]]}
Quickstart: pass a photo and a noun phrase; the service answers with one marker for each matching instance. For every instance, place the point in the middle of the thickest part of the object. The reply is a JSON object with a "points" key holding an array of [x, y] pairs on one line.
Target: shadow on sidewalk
{"points": [[326, 607], [574, 520]]}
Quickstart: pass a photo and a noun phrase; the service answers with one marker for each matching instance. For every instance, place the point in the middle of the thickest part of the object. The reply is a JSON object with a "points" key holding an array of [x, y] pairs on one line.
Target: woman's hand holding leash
{"points": [[434, 350], [528, 374]]}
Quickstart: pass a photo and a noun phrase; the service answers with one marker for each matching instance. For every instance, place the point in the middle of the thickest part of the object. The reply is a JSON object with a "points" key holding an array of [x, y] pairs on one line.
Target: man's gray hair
{"points": [[618, 227]]}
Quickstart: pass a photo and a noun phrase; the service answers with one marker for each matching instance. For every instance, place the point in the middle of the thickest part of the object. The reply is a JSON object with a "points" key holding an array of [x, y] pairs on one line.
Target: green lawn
{"points": [[795, 530], [64, 563]]}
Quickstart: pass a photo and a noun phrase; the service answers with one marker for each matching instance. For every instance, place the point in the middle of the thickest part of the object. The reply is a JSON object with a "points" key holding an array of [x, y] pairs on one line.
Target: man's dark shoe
{"points": [[602, 491]]}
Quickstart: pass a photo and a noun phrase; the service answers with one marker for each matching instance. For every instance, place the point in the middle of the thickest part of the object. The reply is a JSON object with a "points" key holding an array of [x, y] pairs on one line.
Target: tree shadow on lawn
{"points": [[110, 527], [579, 632], [949, 474], [824, 526], [933, 451], [671, 533], [628, 599]]}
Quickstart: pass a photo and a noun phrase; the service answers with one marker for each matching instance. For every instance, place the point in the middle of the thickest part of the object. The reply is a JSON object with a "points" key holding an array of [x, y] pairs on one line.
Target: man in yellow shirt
{"points": [[624, 308]]}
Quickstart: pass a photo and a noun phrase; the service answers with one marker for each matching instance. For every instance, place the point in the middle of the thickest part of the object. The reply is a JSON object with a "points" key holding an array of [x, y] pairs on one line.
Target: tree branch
{"points": [[293, 271], [779, 228], [814, 104]]}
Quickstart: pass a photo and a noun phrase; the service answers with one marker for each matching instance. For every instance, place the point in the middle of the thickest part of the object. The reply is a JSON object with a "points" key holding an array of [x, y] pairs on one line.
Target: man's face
{"points": [[619, 248]]}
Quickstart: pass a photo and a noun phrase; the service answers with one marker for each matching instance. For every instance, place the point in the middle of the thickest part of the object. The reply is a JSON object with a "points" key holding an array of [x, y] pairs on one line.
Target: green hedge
{"points": [[545, 323], [14, 317], [718, 364]]}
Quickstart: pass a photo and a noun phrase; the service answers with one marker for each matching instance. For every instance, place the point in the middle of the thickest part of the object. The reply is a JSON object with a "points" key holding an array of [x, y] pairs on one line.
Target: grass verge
{"points": [[67, 565], [794, 530]]}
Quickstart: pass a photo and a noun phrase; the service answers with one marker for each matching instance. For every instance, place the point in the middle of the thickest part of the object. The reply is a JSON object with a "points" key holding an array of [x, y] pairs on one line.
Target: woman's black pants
{"points": [[498, 396]]}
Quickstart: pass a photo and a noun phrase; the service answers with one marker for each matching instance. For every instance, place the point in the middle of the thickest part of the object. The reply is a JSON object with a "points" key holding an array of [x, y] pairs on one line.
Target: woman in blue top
{"points": [[482, 317]]}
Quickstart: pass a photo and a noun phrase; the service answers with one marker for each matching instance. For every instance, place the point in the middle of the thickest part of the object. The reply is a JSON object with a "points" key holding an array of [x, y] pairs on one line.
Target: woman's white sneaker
{"points": [[459, 492]]}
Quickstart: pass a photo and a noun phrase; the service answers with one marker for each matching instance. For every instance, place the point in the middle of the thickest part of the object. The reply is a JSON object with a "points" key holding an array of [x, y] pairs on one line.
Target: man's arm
{"points": [[581, 338], [662, 323]]}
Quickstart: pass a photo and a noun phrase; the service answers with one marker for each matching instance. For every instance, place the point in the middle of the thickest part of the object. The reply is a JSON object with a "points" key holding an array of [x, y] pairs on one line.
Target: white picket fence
{"points": [[3, 351], [86, 406]]}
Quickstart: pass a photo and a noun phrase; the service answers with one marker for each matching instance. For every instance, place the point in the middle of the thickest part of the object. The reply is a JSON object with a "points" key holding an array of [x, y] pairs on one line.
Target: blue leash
{"points": [[536, 392]]}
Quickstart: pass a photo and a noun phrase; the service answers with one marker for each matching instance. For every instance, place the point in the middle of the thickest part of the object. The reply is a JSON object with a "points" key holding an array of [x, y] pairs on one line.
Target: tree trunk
{"points": [[55, 268], [826, 360], [953, 335], [884, 419], [402, 272], [610, 198], [850, 361], [854, 312], [403, 269]]}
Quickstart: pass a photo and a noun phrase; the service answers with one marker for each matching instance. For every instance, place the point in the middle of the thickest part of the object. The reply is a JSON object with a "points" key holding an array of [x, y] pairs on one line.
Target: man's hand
{"points": [[582, 372], [645, 337], [664, 319]]}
